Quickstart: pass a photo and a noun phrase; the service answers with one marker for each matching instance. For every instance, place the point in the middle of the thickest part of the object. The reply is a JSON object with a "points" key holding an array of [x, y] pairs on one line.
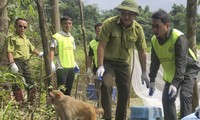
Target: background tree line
{"points": [[92, 15]]}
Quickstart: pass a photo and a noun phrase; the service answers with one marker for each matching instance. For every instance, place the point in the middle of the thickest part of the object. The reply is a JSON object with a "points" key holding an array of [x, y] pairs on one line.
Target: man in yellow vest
{"points": [[92, 57], [62, 47], [170, 49], [119, 35]]}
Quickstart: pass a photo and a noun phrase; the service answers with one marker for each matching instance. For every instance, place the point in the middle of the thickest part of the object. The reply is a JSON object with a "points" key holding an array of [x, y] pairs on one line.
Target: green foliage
{"points": [[178, 17], [145, 20], [80, 58], [5, 111], [7, 77]]}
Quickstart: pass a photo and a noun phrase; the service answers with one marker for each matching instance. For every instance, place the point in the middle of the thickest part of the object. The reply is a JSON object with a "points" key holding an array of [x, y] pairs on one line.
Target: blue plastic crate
{"points": [[91, 92], [145, 113]]}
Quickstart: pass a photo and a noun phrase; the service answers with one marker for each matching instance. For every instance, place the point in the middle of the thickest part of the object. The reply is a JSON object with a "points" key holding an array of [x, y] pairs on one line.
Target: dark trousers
{"points": [[121, 72], [65, 77], [24, 69], [186, 93]]}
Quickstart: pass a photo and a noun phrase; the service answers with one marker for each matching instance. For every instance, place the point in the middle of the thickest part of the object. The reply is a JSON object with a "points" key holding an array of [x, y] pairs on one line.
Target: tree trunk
{"points": [[83, 31], [45, 43], [55, 15], [3, 30], [191, 22]]}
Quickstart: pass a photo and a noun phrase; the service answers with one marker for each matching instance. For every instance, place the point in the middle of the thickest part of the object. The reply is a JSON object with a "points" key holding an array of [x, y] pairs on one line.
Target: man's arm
{"points": [[142, 59], [154, 66], [53, 46], [100, 52], [51, 54], [36, 52], [181, 53], [10, 57], [90, 57]]}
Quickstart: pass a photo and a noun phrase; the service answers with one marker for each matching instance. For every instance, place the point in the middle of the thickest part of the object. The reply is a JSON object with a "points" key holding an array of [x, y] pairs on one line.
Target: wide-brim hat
{"points": [[129, 5]]}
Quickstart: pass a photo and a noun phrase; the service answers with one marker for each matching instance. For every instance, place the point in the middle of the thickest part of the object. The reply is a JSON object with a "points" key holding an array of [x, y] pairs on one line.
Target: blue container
{"points": [[91, 92], [146, 113], [114, 94]]}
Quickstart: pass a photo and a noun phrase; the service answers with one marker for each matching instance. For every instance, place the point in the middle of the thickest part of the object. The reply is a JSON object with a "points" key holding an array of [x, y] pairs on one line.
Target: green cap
{"points": [[129, 5]]}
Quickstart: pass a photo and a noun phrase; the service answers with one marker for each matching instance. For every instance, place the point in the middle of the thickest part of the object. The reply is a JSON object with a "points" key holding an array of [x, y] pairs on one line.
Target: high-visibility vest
{"points": [[94, 45], [166, 54], [65, 50]]}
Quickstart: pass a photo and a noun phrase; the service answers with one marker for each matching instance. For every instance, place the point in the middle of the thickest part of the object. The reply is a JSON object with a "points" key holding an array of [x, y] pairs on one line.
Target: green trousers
{"points": [[120, 72]]}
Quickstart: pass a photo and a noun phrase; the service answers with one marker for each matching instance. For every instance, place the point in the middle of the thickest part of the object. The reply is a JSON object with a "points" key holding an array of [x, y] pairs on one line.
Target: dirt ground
{"points": [[134, 101], [82, 89]]}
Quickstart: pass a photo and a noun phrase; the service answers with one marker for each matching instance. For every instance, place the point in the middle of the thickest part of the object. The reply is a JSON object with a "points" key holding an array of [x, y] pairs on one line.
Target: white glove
{"points": [[100, 71], [172, 91], [197, 112], [53, 67], [145, 79], [151, 88], [41, 54], [14, 68]]}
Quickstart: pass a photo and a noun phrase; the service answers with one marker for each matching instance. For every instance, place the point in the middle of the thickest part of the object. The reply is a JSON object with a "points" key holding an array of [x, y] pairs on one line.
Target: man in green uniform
{"points": [[118, 36], [170, 49], [19, 50]]}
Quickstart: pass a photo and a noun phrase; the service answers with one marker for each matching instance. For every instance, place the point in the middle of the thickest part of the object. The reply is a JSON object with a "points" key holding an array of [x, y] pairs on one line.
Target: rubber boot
{"points": [[18, 96], [31, 95]]}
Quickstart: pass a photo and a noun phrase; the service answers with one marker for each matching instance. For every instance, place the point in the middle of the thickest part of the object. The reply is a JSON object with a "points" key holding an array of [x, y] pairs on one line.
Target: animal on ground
{"points": [[69, 108]]}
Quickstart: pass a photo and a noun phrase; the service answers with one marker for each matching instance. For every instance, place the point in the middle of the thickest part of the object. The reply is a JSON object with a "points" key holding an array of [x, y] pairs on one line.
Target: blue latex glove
{"points": [[99, 78], [76, 69], [151, 88]]}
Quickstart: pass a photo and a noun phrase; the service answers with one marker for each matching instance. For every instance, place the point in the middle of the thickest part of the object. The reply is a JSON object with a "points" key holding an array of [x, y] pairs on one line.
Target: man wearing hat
{"points": [[118, 36]]}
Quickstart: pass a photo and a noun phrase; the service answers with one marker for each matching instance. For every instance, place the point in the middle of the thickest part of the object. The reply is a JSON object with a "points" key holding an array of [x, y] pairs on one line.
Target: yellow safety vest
{"points": [[166, 54], [94, 45], [65, 50]]}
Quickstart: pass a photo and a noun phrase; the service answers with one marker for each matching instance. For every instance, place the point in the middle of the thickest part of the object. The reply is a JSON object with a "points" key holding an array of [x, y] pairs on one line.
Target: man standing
{"points": [[92, 57], [62, 47], [19, 50], [118, 36], [170, 49]]}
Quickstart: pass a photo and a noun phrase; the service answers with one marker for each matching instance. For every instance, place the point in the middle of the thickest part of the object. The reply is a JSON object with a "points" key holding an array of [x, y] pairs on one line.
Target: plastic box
{"points": [[145, 113], [92, 93]]}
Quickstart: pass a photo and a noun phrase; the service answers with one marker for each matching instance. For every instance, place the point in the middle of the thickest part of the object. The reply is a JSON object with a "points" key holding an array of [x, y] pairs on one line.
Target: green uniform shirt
{"points": [[119, 40], [20, 47]]}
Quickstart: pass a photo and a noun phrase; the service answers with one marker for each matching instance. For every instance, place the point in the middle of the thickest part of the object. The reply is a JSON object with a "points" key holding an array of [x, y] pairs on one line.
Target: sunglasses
{"points": [[21, 26]]}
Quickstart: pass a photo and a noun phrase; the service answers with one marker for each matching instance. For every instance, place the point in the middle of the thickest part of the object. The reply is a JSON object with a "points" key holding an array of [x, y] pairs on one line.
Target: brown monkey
{"points": [[68, 108]]}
